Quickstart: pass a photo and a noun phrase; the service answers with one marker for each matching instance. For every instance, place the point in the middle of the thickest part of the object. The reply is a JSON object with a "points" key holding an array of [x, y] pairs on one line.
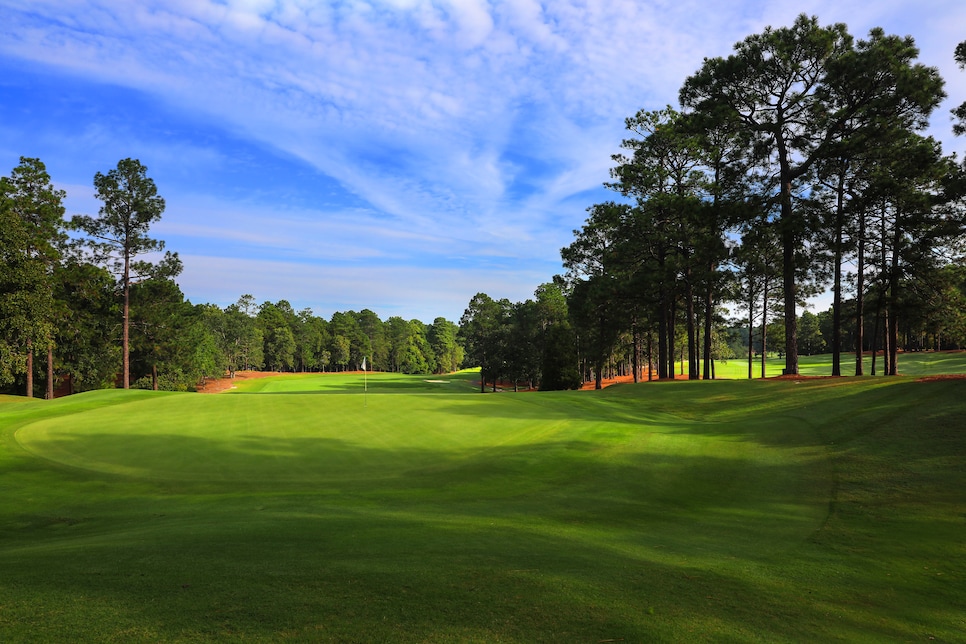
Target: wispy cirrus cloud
{"points": [[406, 130]]}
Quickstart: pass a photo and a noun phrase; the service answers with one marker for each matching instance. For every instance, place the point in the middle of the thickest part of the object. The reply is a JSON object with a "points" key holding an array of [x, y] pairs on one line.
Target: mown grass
{"points": [[924, 363], [425, 512]]}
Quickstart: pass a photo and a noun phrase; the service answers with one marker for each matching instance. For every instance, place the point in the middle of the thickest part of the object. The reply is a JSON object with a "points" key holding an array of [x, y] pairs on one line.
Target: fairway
{"points": [[407, 508], [924, 363]]}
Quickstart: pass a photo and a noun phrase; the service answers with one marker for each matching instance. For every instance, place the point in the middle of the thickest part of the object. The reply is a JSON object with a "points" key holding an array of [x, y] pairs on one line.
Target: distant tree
{"points": [[275, 323], [616, 268], [205, 358], [960, 112], [214, 319], [246, 334], [311, 341], [593, 318], [556, 340], [442, 337], [524, 339], [119, 234], [238, 339], [157, 337], [339, 350], [810, 338], [758, 279], [87, 328], [374, 331], [347, 324], [397, 336], [420, 357], [558, 368], [481, 329]]}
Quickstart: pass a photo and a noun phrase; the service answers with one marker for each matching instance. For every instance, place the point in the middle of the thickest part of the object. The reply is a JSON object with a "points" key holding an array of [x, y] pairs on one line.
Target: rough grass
{"points": [[422, 511]]}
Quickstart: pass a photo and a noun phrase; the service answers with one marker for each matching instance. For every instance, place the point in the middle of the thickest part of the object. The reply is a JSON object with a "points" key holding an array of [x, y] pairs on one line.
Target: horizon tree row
{"points": [[79, 293], [276, 337]]}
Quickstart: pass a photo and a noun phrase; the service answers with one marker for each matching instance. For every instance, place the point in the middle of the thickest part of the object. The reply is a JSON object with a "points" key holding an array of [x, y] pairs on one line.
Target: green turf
{"points": [[910, 364], [313, 510]]}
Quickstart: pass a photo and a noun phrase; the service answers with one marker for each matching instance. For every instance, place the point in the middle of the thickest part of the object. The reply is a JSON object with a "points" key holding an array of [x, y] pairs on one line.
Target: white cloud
{"points": [[465, 127]]}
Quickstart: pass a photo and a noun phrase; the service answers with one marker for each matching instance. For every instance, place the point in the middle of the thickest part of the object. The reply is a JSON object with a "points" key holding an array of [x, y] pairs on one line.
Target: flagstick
{"points": [[365, 382]]}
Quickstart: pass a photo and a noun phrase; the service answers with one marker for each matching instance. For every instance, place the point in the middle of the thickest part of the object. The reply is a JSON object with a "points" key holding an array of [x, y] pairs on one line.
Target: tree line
{"points": [[796, 164], [82, 308]]}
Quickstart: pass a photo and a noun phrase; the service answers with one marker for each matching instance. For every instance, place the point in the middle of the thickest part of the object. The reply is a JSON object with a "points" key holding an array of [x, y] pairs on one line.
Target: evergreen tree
{"points": [[798, 91], [30, 197], [119, 234]]}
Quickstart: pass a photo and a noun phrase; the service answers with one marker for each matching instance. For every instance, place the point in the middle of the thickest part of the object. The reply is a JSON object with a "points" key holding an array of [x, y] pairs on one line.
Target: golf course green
{"points": [[393, 508]]}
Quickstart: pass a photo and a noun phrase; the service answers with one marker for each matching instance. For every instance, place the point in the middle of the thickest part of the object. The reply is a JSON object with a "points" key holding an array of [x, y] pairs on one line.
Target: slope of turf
{"points": [[421, 511], [925, 363]]}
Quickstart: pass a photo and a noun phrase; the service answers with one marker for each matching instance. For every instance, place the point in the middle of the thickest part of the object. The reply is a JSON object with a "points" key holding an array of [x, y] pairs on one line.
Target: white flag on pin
{"points": [[363, 364]]}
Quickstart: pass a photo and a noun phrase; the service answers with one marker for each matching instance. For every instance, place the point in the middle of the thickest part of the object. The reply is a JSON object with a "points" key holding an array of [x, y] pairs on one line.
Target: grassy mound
{"points": [[419, 510]]}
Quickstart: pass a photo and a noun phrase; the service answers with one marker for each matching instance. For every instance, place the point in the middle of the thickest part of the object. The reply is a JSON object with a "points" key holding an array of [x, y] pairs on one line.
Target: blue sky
{"points": [[397, 155]]}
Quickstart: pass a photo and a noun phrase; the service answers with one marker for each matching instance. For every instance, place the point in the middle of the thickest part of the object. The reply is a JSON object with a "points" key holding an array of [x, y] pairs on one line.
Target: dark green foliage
{"points": [[275, 322], [174, 346], [375, 332], [482, 333], [559, 364], [443, 341], [119, 234], [511, 342], [88, 329], [960, 112], [20, 281], [77, 309], [350, 342], [31, 247], [801, 91]]}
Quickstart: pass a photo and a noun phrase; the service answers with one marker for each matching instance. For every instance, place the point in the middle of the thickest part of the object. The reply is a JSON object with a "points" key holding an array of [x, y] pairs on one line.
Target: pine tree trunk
{"points": [[30, 369], [789, 285], [670, 340], [708, 323], [662, 338], [893, 300], [126, 361], [875, 334], [637, 354], [837, 282], [860, 298], [751, 330], [693, 371], [50, 371], [764, 328]]}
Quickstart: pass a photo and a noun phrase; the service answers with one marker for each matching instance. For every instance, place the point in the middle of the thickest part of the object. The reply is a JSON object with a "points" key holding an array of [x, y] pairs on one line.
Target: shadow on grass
{"points": [[395, 566], [324, 539]]}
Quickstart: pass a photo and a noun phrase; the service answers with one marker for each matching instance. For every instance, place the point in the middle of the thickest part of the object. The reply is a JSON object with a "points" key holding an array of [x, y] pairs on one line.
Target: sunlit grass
{"points": [[925, 363], [423, 511]]}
